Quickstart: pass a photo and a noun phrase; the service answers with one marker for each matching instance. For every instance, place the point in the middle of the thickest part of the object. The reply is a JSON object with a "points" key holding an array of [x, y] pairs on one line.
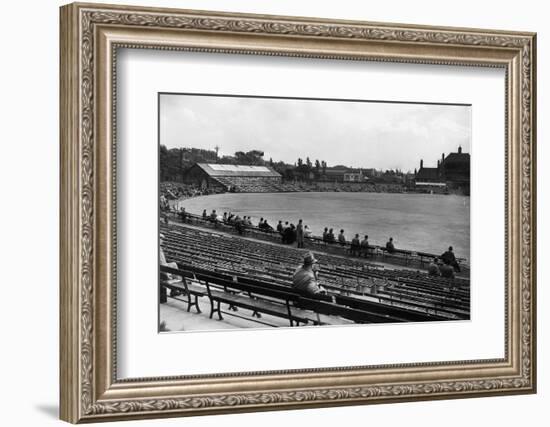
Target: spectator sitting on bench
{"points": [[239, 224], [265, 226], [284, 234], [433, 268], [330, 236], [305, 281], [365, 246], [450, 259], [290, 234], [446, 270], [183, 215], [355, 246], [307, 232], [390, 246], [342, 238]]}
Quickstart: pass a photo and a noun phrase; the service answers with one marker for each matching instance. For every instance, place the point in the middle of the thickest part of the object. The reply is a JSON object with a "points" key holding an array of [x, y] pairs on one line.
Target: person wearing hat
{"points": [[390, 247], [305, 278], [449, 258]]}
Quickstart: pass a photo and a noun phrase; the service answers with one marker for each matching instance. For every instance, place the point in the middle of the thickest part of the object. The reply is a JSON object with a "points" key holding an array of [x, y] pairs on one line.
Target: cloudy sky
{"points": [[357, 134]]}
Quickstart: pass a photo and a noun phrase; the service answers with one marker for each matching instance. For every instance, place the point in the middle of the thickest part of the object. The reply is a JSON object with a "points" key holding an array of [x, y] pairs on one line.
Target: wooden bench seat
{"points": [[401, 314], [265, 298], [258, 299], [183, 286], [351, 314], [330, 311], [256, 305]]}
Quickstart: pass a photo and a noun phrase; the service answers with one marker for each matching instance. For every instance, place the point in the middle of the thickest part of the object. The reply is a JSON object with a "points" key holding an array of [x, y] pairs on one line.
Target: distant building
{"points": [[455, 169], [343, 174], [232, 177], [428, 175], [371, 173], [335, 174], [452, 172], [355, 177]]}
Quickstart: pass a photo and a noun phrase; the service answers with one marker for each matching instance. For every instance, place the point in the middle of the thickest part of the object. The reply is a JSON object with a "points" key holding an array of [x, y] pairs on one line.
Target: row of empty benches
{"points": [[259, 297], [398, 256], [251, 184], [420, 295]]}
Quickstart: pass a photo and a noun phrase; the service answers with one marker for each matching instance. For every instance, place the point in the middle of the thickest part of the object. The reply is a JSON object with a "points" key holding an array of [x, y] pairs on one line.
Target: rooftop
{"points": [[214, 169]]}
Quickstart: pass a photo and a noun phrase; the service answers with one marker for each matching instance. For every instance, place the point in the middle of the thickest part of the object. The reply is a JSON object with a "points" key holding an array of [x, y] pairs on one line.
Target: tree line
{"points": [[175, 162]]}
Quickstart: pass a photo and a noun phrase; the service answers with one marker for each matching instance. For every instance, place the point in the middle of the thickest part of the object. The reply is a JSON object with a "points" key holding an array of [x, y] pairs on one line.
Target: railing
{"points": [[399, 256]]}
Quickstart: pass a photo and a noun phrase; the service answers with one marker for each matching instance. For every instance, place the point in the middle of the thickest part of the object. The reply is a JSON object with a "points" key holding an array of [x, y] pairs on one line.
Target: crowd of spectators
{"points": [[178, 191], [347, 187]]}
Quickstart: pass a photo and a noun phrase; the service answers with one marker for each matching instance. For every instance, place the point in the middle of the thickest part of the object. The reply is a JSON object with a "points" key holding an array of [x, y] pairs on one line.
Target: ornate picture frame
{"points": [[90, 37]]}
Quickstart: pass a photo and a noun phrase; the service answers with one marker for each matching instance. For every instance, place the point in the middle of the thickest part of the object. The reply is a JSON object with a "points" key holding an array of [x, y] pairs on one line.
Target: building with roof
{"points": [[238, 178], [335, 174], [452, 173], [427, 175], [344, 174], [355, 176]]}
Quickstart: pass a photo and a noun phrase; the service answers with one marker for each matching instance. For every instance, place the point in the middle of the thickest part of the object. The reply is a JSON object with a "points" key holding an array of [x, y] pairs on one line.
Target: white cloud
{"points": [[361, 134]]}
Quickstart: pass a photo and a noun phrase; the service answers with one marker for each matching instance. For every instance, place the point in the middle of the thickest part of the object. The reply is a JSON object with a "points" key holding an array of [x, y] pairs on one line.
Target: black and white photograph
{"points": [[288, 212]]}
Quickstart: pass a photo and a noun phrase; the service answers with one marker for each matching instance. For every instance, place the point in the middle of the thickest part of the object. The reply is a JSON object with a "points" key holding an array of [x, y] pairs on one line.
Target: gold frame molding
{"points": [[90, 36]]}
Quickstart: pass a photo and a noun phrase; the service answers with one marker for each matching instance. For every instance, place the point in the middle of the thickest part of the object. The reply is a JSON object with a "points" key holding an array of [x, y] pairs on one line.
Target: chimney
{"points": [[459, 149], [442, 157], [421, 163]]}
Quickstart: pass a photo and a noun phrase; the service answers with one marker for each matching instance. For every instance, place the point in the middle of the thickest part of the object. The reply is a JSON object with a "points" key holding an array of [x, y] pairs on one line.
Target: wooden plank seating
{"points": [[389, 296], [402, 314], [237, 259], [353, 314], [265, 298], [183, 286], [375, 311], [269, 299], [256, 299]]}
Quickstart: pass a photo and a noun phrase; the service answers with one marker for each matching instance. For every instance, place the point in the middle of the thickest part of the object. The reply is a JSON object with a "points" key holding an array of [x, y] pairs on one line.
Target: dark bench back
{"points": [[385, 310], [266, 291], [331, 309]]}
